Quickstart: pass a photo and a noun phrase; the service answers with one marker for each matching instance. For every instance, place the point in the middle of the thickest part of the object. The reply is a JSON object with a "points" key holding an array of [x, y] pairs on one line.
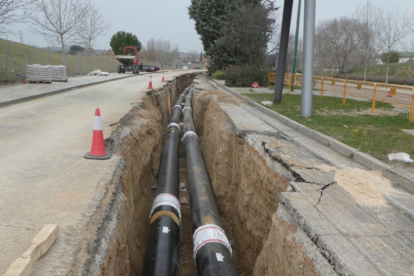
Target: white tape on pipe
{"points": [[186, 108], [178, 106], [166, 199], [209, 233], [174, 124], [189, 133]]}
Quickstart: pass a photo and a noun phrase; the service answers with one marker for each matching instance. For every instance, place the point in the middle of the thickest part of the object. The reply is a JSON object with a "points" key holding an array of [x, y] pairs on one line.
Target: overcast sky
{"points": [[168, 19]]}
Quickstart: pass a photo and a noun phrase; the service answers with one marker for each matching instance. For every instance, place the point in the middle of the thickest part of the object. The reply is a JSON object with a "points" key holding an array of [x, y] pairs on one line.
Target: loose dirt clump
{"points": [[359, 183]]}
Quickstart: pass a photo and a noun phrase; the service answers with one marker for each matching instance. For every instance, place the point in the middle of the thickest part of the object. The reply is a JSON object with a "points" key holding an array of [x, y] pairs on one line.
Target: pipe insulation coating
{"points": [[212, 250], [161, 255]]}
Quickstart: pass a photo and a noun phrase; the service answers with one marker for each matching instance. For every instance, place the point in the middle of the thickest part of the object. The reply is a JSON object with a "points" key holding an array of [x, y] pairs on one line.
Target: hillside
{"points": [[20, 56], [395, 69]]}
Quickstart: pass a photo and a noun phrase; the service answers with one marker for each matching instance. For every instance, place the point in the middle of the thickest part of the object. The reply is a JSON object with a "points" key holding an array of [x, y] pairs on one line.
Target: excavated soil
{"points": [[246, 189]]}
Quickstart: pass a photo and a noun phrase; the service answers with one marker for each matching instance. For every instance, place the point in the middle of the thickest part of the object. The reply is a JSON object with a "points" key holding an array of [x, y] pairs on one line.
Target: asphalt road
{"points": [[44, 178]]}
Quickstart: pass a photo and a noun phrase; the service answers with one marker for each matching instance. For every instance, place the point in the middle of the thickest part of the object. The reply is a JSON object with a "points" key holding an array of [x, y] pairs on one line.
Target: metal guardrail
{"points": [[400, 95]]}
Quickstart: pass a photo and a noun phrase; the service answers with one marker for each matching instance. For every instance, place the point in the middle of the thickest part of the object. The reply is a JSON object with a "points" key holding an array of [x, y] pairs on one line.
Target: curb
{"points": [[47, 94], [357, 156]]}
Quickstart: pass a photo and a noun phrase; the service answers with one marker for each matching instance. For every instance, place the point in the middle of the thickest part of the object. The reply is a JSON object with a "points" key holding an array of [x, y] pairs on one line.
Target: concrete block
{"points": [[321, 138], [370, 162], [22, 266], [342, 148]]}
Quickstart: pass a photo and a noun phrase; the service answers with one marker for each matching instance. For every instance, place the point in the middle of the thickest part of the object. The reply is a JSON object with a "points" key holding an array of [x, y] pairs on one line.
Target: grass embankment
{"points": [[395, 69], [376, 135], [19, 57]]}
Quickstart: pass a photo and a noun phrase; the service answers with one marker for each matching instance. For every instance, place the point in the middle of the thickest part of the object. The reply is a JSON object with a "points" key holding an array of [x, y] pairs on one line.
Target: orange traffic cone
{"points": [[98, 150], [150, 83], [163, 79], [389, 93]]}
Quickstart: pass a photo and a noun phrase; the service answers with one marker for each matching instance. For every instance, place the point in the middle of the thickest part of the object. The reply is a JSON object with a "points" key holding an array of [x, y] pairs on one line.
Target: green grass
{"points": [[374, 135]]}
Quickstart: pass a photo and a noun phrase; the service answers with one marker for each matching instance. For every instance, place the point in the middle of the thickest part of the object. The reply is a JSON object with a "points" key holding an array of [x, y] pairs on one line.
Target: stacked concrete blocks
{"points": [[58, 73], [38, 73]]}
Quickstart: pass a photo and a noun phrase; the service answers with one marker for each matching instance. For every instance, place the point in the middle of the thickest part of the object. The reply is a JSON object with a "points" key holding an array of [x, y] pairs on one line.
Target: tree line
{"points": [[59, 22], [358, 40], [235, 32]]}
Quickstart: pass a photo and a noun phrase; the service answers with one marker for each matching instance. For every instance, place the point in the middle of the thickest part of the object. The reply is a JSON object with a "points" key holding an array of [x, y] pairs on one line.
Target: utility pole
{"points": [[295, 51], [308, 49], [284, 40]]}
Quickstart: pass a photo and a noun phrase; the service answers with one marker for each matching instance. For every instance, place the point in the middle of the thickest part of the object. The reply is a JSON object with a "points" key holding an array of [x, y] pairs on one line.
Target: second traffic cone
{"points": [[389, 93], [150, 83], [163, 79], [98, 150]]}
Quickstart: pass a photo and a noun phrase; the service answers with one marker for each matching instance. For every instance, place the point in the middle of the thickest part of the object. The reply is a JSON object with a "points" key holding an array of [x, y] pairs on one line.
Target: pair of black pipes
{"points": [[212, 250]]}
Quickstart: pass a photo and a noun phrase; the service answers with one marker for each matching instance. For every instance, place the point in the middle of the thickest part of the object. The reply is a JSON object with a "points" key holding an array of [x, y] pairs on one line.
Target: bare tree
{"points": [[339, 39], [366, 17], [391, 28], [60, 21], [150, 50], [11, 11], [162, 48], [93, 26]]}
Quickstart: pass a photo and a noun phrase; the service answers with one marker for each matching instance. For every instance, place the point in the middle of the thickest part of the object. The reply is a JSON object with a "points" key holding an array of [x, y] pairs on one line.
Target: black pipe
{"points": [[212, 250], [161, 255]]}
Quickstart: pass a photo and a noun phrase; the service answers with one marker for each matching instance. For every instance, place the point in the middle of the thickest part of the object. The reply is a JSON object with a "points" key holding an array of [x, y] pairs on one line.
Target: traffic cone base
{"points": [[98, 157], [98, 150], [150, 83]]}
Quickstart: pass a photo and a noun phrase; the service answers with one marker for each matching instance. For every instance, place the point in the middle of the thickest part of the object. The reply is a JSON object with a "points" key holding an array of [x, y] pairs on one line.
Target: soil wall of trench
{"points": [[246, 188]]}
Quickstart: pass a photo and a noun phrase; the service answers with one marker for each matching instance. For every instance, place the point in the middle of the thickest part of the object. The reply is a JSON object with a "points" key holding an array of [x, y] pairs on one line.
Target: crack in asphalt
{"points": [[321, 190]]}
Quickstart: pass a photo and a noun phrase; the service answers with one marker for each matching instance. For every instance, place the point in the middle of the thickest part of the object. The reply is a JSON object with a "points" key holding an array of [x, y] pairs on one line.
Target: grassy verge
{"points": [[374, 135]]}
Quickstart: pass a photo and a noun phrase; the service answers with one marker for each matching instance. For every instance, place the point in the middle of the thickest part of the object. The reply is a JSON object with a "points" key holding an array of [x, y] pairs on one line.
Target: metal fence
{"points": [[399, 95]]}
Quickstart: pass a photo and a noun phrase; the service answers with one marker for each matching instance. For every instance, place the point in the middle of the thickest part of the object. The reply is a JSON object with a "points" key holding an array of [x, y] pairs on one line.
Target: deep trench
{"points": [[246, 189]]}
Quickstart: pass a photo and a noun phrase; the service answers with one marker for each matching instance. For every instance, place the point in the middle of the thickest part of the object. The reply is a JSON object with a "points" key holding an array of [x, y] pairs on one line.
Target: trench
{"points": [[246, 188]]}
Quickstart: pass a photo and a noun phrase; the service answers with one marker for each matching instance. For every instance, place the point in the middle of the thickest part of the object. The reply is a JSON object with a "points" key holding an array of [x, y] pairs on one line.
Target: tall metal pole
{"points": [[308, 48], [283, 47], [295, 51]]}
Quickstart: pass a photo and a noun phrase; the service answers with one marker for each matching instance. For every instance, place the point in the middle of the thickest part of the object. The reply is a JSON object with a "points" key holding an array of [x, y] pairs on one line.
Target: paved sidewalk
{"points": [[17, 93]]}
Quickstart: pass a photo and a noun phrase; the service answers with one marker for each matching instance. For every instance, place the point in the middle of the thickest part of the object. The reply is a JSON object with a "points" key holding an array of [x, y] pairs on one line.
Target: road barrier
{"points": [[399, 95]]}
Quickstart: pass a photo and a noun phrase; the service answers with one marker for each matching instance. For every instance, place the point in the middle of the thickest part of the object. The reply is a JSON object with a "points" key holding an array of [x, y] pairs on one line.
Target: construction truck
{"points": [[129, 63]]}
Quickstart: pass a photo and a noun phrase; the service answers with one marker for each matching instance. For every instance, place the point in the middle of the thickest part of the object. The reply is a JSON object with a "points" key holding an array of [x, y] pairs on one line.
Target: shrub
{"points": [[245, 76], [219, 75], [359, 132]]}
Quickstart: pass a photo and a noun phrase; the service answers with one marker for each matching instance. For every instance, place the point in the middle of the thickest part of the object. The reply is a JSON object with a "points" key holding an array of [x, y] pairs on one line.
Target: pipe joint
{"points": [[187, 107], [179, 106], [209, 233], [174, 125], [189, 133], [166, 199]]}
